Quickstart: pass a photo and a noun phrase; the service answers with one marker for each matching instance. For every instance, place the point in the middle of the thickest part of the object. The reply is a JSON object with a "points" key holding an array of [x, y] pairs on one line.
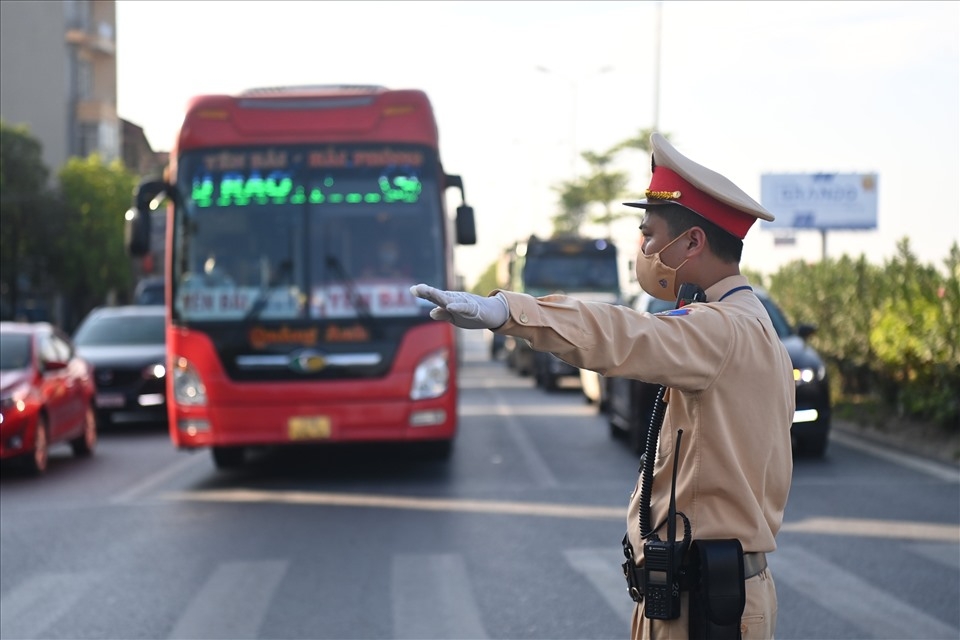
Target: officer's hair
{"points": [[724, 244]]}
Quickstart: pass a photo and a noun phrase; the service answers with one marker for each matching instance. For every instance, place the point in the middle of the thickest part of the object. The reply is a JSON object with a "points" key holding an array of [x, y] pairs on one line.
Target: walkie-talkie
{"points": [[662, 558], [688, 293]]}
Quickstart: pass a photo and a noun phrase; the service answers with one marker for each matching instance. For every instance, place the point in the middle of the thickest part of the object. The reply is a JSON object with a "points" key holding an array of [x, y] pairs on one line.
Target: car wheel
{"points": [[36, 463], [104, 419], [84, 444], [616, 432], [524, 366], [549, 381], [603, 405], [814, 447], [228, 457], [439, 450]]}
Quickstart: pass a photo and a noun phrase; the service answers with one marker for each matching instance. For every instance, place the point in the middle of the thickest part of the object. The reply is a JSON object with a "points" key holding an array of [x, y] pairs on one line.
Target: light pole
{"points": [[656, 67], [574, 94]]}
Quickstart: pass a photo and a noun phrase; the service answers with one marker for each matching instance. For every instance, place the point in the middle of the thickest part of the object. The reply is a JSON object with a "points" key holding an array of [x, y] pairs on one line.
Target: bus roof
{"points": [[308, 114]]}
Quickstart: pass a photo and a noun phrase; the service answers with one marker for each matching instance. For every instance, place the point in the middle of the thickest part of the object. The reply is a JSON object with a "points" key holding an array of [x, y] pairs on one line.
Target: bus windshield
{"points": [[581, 272], [310, 232]]}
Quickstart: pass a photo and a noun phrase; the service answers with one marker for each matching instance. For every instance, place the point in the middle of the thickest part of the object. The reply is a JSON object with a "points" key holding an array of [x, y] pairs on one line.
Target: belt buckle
{"points": [[634, 583]]}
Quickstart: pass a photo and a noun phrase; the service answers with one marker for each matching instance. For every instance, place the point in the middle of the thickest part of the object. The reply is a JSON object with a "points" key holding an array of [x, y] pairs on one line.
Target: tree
{"points": [[24, 207], [604, 186], [93, 261], [487, 281], [573, 207], [640, 142]]}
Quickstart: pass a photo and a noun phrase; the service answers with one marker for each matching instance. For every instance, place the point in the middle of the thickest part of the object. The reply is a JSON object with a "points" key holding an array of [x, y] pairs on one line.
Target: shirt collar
{"points": [[719, 289]]}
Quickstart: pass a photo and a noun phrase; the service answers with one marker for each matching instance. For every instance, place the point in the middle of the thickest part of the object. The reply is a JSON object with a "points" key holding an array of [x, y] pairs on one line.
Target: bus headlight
{"points": [[431, 377], [188, 388]]}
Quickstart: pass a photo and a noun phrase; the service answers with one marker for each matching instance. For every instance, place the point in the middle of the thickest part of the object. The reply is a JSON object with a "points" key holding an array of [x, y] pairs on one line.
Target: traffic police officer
{"points": [[730, 380]]}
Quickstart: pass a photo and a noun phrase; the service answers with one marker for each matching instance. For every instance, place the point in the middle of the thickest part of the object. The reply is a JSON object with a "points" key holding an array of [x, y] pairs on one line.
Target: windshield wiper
{"points": [[356, 300]]}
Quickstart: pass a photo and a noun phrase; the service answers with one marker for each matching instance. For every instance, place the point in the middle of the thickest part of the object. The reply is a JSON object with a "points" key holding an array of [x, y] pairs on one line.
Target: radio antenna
{"points": [[672, 511]]}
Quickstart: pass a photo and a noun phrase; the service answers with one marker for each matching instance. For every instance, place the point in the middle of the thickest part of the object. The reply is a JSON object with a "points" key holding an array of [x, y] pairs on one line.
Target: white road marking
{"points": [[936, 469], [39, 602], [855, 527], [877, 613], [601, 567], [233, 602], [159, 477], [431, 597], [869, 528], [534, 463]]}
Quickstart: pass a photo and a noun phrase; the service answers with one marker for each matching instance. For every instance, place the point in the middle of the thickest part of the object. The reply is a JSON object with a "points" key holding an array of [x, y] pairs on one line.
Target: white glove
{"points": [[463, 309]]}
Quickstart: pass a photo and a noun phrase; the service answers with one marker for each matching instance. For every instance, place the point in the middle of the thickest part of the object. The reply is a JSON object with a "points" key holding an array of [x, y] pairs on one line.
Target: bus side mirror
{"points": [[465, 225], [136, 231], [466, 228]]}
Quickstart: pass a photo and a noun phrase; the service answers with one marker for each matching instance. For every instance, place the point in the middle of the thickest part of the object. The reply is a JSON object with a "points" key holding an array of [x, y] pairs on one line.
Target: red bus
{"points": [[297, 219]]}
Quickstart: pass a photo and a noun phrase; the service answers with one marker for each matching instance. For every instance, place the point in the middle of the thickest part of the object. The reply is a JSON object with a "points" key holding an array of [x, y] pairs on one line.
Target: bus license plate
{"points": [[309, 427]]}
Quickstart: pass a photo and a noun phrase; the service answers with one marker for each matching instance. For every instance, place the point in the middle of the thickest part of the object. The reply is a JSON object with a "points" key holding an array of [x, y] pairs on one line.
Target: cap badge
{"points": [[663, 195]]}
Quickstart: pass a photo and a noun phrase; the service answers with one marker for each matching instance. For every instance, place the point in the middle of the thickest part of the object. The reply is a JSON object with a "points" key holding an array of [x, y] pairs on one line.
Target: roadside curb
{"points": [[923, 440]]}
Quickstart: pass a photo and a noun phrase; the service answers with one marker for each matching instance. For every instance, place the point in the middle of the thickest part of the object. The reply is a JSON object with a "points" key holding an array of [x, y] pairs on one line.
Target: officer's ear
{"points": [[696, 242]]}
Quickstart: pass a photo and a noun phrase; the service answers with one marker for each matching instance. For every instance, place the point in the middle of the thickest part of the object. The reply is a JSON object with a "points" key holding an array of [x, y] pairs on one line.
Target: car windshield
{"points": [[14, 351], [780, 323], [150, 293], [120, 330]]}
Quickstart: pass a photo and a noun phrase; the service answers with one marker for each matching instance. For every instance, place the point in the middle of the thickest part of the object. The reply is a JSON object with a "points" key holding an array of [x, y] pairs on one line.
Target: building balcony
{"points": [[101, 41], [92, 111]]}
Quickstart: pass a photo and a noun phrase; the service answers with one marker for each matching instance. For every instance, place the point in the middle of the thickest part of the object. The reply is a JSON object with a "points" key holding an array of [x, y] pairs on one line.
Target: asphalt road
{"points": [[517, 536]]}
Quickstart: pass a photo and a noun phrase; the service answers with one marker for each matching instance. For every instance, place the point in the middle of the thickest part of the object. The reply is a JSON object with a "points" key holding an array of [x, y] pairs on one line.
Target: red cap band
{"points": [[723, 215]]}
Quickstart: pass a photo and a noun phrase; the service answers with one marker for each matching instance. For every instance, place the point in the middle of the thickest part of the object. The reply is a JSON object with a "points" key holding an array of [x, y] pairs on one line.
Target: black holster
{"points": [[718, 592]]}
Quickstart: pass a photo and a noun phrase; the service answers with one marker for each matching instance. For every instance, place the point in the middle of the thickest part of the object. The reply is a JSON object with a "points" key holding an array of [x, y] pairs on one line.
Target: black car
{"points": [[149, 291], [127, 347], [629, 403]]}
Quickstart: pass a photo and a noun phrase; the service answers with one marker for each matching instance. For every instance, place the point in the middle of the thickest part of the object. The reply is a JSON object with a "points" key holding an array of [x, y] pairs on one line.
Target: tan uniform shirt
{"points": [[731, 391]]}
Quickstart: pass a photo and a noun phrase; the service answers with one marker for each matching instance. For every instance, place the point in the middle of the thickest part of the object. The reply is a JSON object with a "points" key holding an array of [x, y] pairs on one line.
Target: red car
{"points": [[46, 395]]}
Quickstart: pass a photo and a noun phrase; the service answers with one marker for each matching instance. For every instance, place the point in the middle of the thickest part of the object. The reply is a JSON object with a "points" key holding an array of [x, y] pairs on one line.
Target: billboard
{"points": [[820, 200]]}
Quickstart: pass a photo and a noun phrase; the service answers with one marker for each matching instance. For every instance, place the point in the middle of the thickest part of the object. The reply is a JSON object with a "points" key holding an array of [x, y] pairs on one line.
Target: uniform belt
{"points": [[753, 565]]}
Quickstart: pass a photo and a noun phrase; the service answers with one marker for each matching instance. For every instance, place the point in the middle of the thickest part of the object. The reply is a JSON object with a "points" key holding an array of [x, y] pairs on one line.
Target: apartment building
{"points": [[58, 75]]}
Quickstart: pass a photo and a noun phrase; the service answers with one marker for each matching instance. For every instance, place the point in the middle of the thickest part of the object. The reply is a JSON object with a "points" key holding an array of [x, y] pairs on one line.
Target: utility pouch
{"points": [[718, 592]]}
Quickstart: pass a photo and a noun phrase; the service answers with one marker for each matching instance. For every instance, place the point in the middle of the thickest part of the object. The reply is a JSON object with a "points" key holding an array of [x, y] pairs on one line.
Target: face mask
{"points": [[656, 278]]}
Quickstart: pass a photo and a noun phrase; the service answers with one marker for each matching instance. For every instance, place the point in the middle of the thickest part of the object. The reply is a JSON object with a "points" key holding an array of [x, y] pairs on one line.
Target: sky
{"points": [[521, 88]]}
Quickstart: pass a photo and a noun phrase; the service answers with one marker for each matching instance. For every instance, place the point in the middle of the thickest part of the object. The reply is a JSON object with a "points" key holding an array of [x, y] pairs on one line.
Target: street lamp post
{"points": [[574, 95]]}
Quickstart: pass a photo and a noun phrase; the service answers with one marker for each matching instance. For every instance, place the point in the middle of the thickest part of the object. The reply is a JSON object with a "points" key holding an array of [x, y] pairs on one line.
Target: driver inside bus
{"points": [[387, 261], [212, 274]]}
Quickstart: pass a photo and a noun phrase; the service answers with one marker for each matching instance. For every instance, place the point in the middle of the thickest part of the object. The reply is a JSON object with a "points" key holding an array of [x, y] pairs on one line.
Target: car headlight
{"points": [[188, 388], [431, 377], [806, 375], [154, 371], [16, 397]]}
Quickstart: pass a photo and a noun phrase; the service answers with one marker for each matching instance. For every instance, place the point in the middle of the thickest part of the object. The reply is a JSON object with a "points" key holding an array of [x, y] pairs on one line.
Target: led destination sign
{"points": [[331, 175], [279, 188]]}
